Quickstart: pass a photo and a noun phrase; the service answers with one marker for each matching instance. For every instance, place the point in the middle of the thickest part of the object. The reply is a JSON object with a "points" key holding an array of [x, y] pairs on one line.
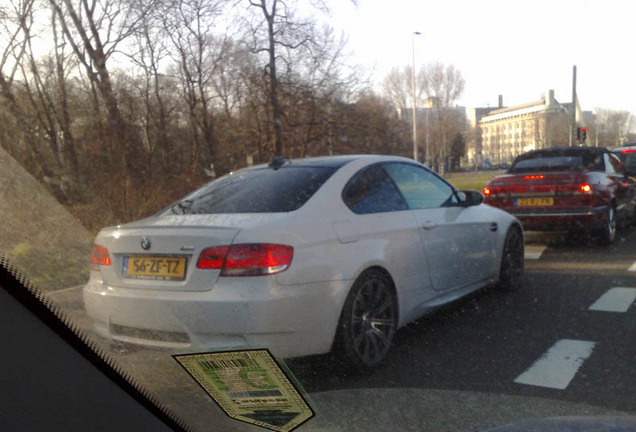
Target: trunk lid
{"points": [[161, 253], [531, 191]]}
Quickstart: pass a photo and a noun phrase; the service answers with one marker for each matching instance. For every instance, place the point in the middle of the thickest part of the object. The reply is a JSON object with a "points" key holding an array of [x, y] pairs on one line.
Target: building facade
{"points": [[508, 132], [474, 156]]}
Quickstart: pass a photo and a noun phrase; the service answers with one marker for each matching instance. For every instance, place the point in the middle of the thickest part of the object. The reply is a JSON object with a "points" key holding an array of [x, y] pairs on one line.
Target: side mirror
{"points": [[470, 198]]}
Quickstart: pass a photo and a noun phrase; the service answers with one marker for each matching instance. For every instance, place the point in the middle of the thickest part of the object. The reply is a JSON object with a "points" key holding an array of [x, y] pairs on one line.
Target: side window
{"points": [[616, 164], [629, 162], [609, 166], [372, 191], [598, 163], [420, 187]]}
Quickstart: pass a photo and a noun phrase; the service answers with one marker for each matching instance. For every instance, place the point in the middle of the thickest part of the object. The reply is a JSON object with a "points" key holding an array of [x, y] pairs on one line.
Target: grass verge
{"points": [[474, 180]]}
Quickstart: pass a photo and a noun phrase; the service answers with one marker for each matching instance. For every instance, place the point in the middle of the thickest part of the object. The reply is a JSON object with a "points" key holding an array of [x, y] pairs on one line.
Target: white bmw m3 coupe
{"points": [[301, 257]]}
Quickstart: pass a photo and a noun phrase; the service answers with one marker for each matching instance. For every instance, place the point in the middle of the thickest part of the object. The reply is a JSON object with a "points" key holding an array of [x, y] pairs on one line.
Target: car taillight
{"points": [[585, 188], [628, 151], [212, 258], [256, 259], [494, 191], [100, 257]]}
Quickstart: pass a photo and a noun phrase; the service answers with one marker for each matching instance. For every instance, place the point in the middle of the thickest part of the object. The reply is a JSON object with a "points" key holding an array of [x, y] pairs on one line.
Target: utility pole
{"points": [[573, 121], [413, 105], [596, 126], [428, 157]]}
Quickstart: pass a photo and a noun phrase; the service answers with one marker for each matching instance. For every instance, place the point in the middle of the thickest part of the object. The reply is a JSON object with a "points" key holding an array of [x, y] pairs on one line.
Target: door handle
{"points": [[494, 227], [428, 225]]}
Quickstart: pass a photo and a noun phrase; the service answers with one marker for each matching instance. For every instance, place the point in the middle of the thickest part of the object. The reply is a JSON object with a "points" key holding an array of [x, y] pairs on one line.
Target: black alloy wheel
{"points": [[512, 260], [369, 320]]}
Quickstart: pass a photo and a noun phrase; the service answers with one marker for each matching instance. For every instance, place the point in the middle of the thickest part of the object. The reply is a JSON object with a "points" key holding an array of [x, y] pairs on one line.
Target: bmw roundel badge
{"points": [[145, 243]]}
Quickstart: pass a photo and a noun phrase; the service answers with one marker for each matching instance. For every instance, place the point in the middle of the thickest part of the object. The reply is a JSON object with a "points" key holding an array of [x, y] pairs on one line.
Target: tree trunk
{"points": [[273, 80]]}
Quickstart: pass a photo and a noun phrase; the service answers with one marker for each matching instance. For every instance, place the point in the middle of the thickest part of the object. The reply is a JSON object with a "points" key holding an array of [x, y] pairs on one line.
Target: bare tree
{"points": [[370, 126], [397, 86], [16, 21], [442, 83], [443, 86], [275, 28], [438, 87], [197, 52], [95, 29], [46, 84], [613, 126], [313, 82]]}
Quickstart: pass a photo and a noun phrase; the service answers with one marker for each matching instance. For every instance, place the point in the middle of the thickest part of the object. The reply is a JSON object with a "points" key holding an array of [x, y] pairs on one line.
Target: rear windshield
{"points": [[261, 190], [553, 163]]}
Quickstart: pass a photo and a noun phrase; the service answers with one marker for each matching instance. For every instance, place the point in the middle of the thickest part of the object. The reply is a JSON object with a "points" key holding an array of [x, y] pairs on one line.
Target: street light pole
{"points": [[413, 104], [573, 124]]}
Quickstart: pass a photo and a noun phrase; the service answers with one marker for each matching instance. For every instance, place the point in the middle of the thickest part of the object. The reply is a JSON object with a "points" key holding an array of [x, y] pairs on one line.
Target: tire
{"points": [[607, 233], [512, 260], [368, 321]]}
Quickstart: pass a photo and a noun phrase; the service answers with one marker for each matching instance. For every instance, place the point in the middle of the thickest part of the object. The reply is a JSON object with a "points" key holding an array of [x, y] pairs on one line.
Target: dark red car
{"points": [[566, 188]]}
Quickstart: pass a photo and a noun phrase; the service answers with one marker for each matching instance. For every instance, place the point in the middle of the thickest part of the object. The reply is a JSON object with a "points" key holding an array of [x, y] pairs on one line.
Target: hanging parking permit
{"points": [[249, 386]]}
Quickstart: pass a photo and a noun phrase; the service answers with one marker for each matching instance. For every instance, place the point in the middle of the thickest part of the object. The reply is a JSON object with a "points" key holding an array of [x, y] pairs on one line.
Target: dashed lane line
{"points": [[558, 366], [534, 252], [615, 300]]}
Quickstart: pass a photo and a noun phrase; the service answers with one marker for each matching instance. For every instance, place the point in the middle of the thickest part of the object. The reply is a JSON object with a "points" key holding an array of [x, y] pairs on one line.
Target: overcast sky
{"points": [[518, 49]]}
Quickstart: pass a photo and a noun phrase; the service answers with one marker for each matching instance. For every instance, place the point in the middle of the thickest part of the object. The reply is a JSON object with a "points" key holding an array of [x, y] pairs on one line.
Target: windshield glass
{"points": [[563, 160], [262, 190], [558, 163]]}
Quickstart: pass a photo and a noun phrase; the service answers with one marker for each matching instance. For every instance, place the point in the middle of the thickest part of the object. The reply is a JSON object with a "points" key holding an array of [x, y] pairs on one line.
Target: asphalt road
{"points": [[561, 345], [484, 343]]}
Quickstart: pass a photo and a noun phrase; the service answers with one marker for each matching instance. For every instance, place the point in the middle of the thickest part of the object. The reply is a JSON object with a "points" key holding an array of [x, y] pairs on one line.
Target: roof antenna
{"points": [[277, 162]]}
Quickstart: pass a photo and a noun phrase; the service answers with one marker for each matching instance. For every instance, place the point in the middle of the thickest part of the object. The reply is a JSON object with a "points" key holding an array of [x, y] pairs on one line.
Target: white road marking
{"points": [[556, 368], [632, 268], [615, 300], [534, 252]]}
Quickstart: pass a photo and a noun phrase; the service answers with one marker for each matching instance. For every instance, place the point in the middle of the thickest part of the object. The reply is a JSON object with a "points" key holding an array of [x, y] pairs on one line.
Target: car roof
{"points": [[563, 151], [326, 161], [331, 161], [627, 146]]}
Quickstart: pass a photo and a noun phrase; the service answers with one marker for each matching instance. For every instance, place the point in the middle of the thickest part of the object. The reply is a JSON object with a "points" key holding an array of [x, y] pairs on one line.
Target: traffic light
{"points": [[583, 134]]}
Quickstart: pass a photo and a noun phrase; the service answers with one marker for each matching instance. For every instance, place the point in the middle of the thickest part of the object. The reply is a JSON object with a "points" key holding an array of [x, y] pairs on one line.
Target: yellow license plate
{"points": [[167, 268], [534, 202]]}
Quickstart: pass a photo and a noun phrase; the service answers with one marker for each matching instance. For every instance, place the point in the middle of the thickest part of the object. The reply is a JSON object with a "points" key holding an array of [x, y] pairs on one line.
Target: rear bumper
{"points": [[558, 220], [238, 313]]}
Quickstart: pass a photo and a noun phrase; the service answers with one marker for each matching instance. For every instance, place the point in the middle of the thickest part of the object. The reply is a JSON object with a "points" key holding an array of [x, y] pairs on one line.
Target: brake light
{"points": [[100, 257], [533, 177], [628, 151], [213, 258], [256, 259], [585, 188], [486, 191]]}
